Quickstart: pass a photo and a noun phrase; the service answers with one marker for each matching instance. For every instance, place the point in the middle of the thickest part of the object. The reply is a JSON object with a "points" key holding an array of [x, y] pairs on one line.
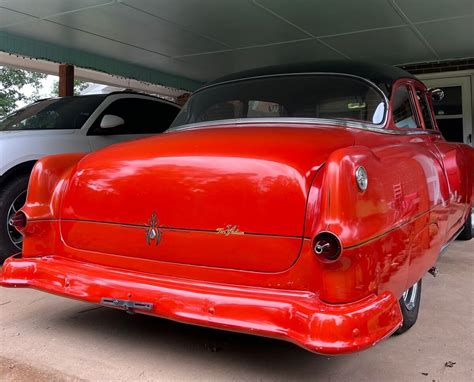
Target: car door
{"points": [[453, 162], [141, 115]]}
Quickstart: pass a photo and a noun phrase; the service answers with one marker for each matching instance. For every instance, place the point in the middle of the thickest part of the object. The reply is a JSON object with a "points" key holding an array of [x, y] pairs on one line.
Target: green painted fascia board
{"points": [[25, 46]]}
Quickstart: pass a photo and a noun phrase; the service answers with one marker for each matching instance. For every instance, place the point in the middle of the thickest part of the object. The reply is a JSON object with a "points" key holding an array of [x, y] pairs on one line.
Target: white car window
{"points": [[53, 114]]}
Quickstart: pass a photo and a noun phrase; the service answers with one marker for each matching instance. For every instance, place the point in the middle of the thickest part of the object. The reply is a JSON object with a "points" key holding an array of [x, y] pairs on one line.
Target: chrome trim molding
{"points": [[394, 228], [446, 245], [163, 228], [302, 121]]}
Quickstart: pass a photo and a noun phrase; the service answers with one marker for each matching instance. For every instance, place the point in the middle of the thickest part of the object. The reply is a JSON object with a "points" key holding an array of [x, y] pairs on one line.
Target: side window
{"points": [[141, 116], [425, 109], [53, 114], [403, 114]]}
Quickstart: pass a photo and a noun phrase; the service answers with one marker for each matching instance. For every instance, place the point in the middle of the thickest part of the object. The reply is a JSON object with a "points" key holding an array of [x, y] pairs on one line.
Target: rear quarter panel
{"points": [[468, 152], [392, 232]]}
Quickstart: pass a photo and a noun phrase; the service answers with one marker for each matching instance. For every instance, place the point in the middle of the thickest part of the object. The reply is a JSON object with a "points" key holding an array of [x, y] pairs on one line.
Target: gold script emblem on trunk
{"points": [[229, 229], [153, 232]]}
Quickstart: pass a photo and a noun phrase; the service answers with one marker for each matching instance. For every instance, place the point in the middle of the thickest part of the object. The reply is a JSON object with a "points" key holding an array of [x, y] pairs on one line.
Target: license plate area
{"points": [[127, 305]]}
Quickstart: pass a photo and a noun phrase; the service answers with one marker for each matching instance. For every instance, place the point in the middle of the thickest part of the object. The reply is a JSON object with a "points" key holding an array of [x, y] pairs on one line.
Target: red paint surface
{"points": [[280, 184]]}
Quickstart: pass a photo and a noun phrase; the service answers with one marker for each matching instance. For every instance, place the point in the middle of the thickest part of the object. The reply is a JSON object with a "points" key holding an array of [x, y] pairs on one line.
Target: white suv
{"points": [[64, 125]]}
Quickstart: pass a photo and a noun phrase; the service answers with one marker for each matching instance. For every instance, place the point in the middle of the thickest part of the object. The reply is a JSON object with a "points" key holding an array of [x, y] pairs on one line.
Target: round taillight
{"points": [[327, 246], [19, 220], [362, 179]]}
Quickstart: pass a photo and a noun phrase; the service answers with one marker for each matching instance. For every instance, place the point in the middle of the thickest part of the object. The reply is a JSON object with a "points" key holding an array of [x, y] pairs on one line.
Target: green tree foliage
{"points": [[79, 86], [12, 87]]}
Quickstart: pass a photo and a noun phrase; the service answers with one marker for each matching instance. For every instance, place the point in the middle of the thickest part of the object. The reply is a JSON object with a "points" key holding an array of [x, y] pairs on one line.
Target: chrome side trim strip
{"points": [[164, 228], [302, 121], [394, 228], [445, 247]]}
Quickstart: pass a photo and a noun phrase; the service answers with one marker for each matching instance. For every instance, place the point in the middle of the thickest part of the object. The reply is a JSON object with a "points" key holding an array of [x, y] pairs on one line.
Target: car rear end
{"points": [[221, 237]]}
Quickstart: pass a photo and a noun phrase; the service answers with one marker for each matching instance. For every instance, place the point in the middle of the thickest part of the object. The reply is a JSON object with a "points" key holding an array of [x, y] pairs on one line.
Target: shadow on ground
{"points": [[190, 342]]}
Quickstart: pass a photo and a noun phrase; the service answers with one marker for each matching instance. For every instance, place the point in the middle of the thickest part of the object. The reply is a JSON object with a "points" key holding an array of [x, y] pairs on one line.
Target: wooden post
{"points": [[66, 80]]}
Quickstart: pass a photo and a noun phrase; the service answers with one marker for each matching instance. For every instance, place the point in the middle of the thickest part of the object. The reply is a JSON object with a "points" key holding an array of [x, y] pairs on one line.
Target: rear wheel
{"points": [[410, 305], [12, 198], [466, 233]]}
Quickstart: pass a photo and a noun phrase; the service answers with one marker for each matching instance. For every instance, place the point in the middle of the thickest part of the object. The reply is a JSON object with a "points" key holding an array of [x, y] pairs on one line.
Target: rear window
{"points": [[53, 114], [289, 96]]}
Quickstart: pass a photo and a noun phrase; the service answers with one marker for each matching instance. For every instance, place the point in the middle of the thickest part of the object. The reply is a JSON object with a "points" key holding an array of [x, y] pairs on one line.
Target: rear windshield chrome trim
{"points": [[300, 121]]}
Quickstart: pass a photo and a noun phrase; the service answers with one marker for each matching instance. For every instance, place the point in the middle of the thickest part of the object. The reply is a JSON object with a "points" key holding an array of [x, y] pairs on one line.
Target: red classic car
{"points": [[303, 202]]}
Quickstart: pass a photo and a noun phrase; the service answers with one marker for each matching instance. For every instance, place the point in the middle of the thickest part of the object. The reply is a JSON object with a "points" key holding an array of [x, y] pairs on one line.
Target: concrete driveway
{"points": [[46, 338]]}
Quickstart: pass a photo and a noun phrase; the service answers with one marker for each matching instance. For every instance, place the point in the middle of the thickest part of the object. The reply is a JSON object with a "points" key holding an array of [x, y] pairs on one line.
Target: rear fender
{"points": [[402, 184], [375, 226], [468, 154], [47, 179]]}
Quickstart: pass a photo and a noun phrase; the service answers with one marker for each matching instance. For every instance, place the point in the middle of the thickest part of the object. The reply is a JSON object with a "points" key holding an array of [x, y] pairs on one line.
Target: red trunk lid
{"points": [[218, 197]]}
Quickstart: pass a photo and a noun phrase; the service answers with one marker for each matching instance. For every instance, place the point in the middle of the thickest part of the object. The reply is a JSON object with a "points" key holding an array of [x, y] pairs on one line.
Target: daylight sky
{"points": [[45, 91]]}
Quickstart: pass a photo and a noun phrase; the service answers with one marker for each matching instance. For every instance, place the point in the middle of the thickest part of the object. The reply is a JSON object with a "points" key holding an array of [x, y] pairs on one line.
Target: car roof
{"points": [[131, 92], [104, 96], [98, 96], [377, 73]]}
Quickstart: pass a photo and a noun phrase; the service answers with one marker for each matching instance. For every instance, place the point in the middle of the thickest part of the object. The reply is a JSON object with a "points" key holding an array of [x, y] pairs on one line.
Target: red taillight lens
{"points": [[327, 246], [19, 221]]}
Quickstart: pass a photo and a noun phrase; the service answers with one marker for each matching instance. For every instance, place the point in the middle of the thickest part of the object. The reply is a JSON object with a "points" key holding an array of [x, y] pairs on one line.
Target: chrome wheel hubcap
{"points": [[409, 297], [15, 237]]}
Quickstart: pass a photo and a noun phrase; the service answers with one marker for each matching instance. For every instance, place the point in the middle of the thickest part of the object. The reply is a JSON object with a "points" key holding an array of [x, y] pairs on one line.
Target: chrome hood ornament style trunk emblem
{"points": [[153, 232]]}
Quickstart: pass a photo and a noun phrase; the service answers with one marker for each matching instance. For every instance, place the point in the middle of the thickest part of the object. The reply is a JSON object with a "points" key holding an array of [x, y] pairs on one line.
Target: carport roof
{"points": [[183, 44]]}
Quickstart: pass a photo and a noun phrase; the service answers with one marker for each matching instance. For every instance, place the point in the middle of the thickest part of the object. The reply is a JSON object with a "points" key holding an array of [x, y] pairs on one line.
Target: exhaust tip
{"points": [[327, 246], [19, 221]]}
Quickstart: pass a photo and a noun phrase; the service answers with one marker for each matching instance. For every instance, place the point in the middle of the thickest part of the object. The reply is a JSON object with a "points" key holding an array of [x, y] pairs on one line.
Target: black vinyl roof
{"points": [[377, 73]]}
